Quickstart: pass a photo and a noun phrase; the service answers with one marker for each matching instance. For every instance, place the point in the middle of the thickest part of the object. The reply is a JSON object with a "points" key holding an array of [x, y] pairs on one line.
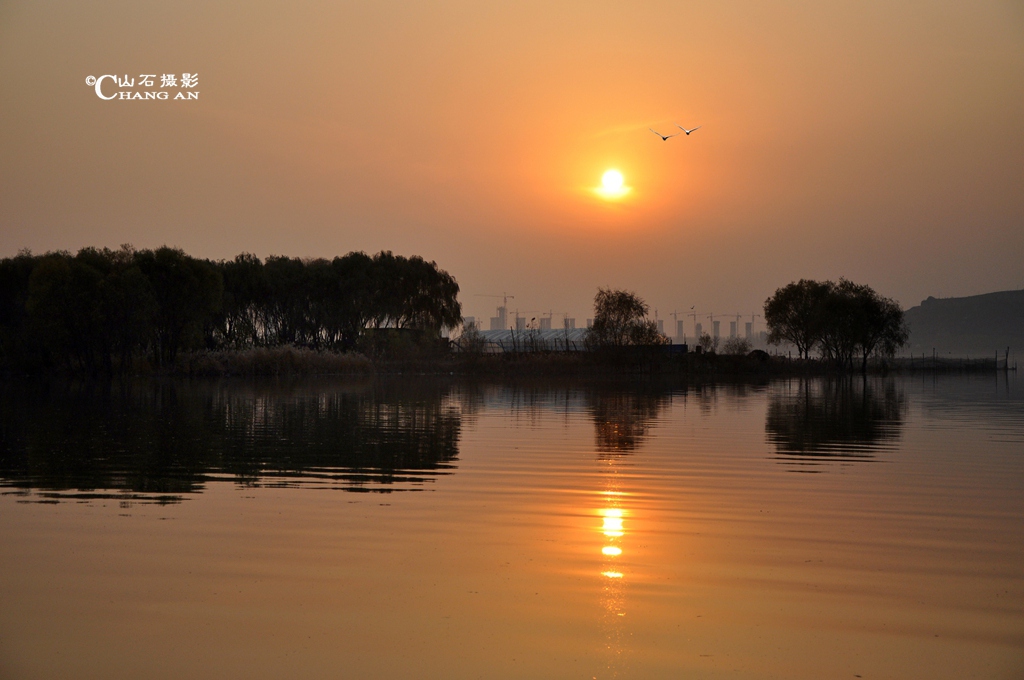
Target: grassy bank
{"points": [[271, 361]]}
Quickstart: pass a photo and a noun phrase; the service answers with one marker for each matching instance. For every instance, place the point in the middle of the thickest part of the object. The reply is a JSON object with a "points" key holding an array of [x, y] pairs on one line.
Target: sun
{"points": [[613, 185], [612, 180]]}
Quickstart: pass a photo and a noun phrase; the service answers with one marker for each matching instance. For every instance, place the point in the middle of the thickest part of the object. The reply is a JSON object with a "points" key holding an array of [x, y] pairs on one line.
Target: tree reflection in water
{"points": [[623, 419], [848, 419], [155, 441]]}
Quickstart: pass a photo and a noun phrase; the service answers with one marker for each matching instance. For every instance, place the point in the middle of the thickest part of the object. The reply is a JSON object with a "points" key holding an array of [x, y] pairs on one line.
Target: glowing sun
{"points": [[613, 185]]}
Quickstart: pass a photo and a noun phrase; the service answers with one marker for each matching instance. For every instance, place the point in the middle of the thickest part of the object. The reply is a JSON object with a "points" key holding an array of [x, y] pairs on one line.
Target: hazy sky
{"points": [[879, 141]]}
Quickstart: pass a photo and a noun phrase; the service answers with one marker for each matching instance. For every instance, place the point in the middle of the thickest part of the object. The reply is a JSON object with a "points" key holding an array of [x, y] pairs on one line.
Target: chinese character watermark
{"points": [[110, 86]]}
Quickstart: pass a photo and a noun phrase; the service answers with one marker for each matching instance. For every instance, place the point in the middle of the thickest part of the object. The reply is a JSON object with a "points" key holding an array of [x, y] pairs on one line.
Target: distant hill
{"points": [[973, 326]]}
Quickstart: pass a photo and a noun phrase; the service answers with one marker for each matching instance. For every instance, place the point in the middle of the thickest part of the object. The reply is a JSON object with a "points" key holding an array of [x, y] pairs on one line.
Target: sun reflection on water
{"points": [[612, 533], [612, 524]]}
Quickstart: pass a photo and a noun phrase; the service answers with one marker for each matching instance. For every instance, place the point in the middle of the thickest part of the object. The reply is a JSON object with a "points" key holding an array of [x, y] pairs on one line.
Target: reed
{"points": [[271, 361]]}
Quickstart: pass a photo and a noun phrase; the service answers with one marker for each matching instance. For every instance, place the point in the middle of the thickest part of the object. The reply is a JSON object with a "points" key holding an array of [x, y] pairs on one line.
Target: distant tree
{"points": [[736, 345], [620, 319], [471, 341], [707, 343], [794, 314]]}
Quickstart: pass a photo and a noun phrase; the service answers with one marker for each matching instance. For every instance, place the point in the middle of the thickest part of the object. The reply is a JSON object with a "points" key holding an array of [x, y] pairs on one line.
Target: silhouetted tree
{"points": [[188, 294], [620, 320], [736, 346], [707, 343], [100, 309], [127, 305], [246, 294], [845, 319], [794, 313], [15, 342], [879, 327], [412, 293], [349, 308]]}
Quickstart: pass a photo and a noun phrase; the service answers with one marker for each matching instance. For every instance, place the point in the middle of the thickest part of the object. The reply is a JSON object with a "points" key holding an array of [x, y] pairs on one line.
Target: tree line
{"points": [[101, 310], [842, 320]]}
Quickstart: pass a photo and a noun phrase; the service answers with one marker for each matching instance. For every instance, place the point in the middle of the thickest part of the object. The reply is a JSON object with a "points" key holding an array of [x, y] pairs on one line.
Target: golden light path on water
{"points": [[612, 532]]}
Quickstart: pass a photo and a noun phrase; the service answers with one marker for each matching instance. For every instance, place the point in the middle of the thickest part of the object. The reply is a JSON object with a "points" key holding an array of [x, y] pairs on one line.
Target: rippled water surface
{"points": [[432, 529]]}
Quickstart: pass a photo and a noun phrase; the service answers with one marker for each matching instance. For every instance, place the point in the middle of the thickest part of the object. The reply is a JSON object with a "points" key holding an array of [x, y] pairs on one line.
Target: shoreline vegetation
{"points": [[638, 362], [104, 313]]}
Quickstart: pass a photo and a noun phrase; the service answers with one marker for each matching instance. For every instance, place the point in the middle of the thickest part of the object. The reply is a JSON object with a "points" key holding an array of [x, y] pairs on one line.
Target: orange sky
{"points": [[879, 141]]}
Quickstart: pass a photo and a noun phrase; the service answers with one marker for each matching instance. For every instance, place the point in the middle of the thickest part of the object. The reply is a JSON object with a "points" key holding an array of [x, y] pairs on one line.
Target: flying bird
{"points": [[664, 138], [685, 130]]}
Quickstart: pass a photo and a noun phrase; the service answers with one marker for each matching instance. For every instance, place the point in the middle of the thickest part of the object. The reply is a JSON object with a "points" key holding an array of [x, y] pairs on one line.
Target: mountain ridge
{"points": [[977, 325]]}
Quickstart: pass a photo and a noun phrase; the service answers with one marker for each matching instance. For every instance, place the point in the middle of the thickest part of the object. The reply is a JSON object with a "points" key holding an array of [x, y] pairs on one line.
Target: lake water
{"points": [[439, 529]]}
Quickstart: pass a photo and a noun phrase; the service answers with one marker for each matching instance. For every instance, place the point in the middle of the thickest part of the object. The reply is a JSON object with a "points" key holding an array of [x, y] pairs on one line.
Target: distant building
{"points": [[661, 326], [570, 323], [498, 322], [545, 323], [750, 330], [680, 335], [520, 323], [590, 323], [717, 325], [468, 321], [699, 330], [732, 329]]}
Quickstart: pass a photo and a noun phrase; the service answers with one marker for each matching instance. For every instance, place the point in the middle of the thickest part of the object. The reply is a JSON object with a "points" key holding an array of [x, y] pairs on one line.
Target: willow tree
{"points": [[620, 320]]}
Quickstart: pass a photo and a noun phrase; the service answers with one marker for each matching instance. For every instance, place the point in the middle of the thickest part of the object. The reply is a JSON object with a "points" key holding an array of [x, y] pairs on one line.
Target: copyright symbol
{"points": [[90, 80]]}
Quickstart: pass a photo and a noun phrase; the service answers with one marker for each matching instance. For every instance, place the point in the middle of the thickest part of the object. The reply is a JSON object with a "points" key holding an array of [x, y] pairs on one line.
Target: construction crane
{"points": [[505, 297], [503, 310]]}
